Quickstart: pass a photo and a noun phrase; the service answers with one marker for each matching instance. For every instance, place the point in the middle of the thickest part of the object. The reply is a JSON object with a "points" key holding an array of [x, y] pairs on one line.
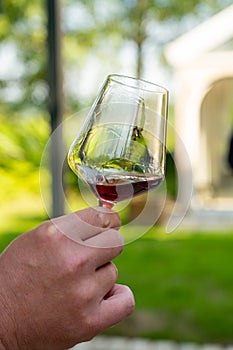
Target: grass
{"points": [[183, 283], [183, 287]]}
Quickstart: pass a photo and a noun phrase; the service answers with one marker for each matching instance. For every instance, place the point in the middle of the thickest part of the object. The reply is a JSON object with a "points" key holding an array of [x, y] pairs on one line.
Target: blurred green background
{"points": [[182, 282]]}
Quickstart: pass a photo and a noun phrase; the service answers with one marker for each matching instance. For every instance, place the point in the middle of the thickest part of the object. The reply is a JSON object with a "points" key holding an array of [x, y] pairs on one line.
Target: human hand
{"points": [[56, 292]]}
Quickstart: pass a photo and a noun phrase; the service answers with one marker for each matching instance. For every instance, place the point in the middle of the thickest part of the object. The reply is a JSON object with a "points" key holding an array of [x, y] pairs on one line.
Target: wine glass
{"points": [[120, 150]]}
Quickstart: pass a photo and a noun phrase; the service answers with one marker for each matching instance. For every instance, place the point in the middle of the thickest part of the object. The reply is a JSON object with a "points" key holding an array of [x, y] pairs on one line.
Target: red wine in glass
{"points": [[116, 191]]}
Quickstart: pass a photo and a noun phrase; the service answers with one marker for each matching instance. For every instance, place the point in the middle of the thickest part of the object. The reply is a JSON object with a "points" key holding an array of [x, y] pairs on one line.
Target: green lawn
{"points": [[183, 286], [183, 282]]}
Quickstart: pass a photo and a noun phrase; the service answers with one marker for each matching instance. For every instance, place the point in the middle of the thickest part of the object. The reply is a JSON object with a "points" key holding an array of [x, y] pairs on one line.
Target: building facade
{"points": [[202, 60]]}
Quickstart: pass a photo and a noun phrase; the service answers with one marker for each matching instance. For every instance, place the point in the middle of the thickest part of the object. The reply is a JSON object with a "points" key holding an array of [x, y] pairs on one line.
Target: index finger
{"points": [[87, 223]]}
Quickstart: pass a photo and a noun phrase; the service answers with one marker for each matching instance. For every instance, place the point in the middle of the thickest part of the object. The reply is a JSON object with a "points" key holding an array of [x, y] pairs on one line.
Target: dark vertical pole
{"points": [[55, 104]]}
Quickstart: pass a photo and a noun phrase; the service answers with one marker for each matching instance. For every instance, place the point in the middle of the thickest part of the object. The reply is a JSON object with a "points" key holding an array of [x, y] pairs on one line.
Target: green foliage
{"points": [[23, 27], [22, 140], [22, 144], [6, 239], [92, 28], [144, 23]]}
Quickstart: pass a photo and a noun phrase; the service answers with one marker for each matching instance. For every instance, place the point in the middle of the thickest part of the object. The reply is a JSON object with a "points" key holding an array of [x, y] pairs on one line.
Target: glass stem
{"points": [[104, 204]]}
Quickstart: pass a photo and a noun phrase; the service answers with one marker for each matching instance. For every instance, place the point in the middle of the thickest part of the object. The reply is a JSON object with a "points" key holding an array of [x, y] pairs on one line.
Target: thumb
{"points": [[86, 223]]}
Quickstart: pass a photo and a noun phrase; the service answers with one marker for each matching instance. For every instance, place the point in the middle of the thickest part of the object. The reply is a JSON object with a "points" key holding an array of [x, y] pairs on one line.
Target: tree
{"points": [[141, 21], [23, 32], [101, 28]]}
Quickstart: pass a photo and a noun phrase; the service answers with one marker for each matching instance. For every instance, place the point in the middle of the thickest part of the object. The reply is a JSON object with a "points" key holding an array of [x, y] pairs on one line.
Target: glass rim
{"points": [[145, 84]]}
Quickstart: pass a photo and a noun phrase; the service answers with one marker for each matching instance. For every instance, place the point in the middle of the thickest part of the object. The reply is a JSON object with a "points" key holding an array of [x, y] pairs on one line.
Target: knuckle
{"points": [[89, 293], [85, 322], [89, 326], [130, 300], [70, 256], [68, 264], [81, 260], [49, 238], [113, 270], [107, 218], [48, 231], [89, 322], [74, 263], [130, 308], [120, 240], [84, 295], [117, 239]]}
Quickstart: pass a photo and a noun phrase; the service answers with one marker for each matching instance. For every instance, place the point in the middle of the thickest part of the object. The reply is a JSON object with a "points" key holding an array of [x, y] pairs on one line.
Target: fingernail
{"points": [[106, 222]]}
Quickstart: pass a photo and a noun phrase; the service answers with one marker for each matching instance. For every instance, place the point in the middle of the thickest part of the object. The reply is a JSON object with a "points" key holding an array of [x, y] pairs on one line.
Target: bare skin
{"points": [[56, 292]]}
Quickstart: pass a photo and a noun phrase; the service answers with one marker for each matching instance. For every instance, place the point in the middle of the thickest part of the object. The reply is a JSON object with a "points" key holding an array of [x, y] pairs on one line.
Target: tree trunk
{"points": [[139, 60]]}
